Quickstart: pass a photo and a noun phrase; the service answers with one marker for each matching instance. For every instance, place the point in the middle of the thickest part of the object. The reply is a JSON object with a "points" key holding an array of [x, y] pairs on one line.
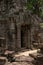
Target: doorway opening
{"points": [[24, 36]]}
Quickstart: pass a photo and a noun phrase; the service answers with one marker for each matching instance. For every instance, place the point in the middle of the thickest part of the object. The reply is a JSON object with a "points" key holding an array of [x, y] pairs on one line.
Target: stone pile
{"points": [[38, 57]]}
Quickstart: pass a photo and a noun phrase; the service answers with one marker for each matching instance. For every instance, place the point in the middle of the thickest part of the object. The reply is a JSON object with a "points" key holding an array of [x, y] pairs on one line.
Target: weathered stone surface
{"points": [[21, 63], [14, 15], [38, 58], [24, 59]]}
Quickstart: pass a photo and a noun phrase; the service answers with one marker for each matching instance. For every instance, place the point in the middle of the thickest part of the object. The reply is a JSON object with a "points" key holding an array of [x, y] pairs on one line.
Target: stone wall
{"points": [[15, 13]]}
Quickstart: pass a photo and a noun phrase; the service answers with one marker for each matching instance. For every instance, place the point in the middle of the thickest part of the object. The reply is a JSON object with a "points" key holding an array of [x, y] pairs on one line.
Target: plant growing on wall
{"points": [[35, 6]]}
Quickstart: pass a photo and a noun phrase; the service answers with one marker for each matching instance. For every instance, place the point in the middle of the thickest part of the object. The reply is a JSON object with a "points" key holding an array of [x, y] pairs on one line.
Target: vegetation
{"points": [[35, 6], [41, 25]]}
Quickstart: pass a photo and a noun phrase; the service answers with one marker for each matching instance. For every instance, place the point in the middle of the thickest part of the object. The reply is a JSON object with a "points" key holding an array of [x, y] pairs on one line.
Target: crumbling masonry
{"points": [[15, 25]]}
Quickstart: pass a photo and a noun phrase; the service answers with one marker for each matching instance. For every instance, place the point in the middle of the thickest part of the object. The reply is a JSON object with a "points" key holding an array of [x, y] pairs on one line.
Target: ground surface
{"points": [[23, 58]]}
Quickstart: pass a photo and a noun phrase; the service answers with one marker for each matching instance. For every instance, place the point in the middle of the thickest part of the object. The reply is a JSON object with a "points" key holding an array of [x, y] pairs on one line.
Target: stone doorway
{"points": [[25, 36]]}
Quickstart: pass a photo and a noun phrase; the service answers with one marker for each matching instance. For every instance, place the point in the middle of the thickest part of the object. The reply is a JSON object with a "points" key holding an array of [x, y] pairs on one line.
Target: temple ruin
{"points": [[17, 25]]}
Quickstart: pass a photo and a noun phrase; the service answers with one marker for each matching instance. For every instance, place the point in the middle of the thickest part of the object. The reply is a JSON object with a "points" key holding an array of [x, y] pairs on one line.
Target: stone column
{"points": [[18, 37], [14, 42], [13, 30], [6, 41], [28, 39]]}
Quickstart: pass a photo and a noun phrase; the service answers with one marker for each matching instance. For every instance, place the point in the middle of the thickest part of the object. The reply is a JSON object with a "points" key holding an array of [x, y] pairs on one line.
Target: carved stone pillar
{"points": [[28, 38], [18, 36], [13, 31]]}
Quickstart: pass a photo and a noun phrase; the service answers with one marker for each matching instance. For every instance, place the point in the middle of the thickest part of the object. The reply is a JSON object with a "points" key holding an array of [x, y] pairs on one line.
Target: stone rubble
{"points": [[22, 60]]}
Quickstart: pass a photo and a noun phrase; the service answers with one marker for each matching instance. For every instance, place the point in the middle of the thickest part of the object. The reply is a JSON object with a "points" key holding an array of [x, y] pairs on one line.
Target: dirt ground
{"points": [[23, 58]]}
